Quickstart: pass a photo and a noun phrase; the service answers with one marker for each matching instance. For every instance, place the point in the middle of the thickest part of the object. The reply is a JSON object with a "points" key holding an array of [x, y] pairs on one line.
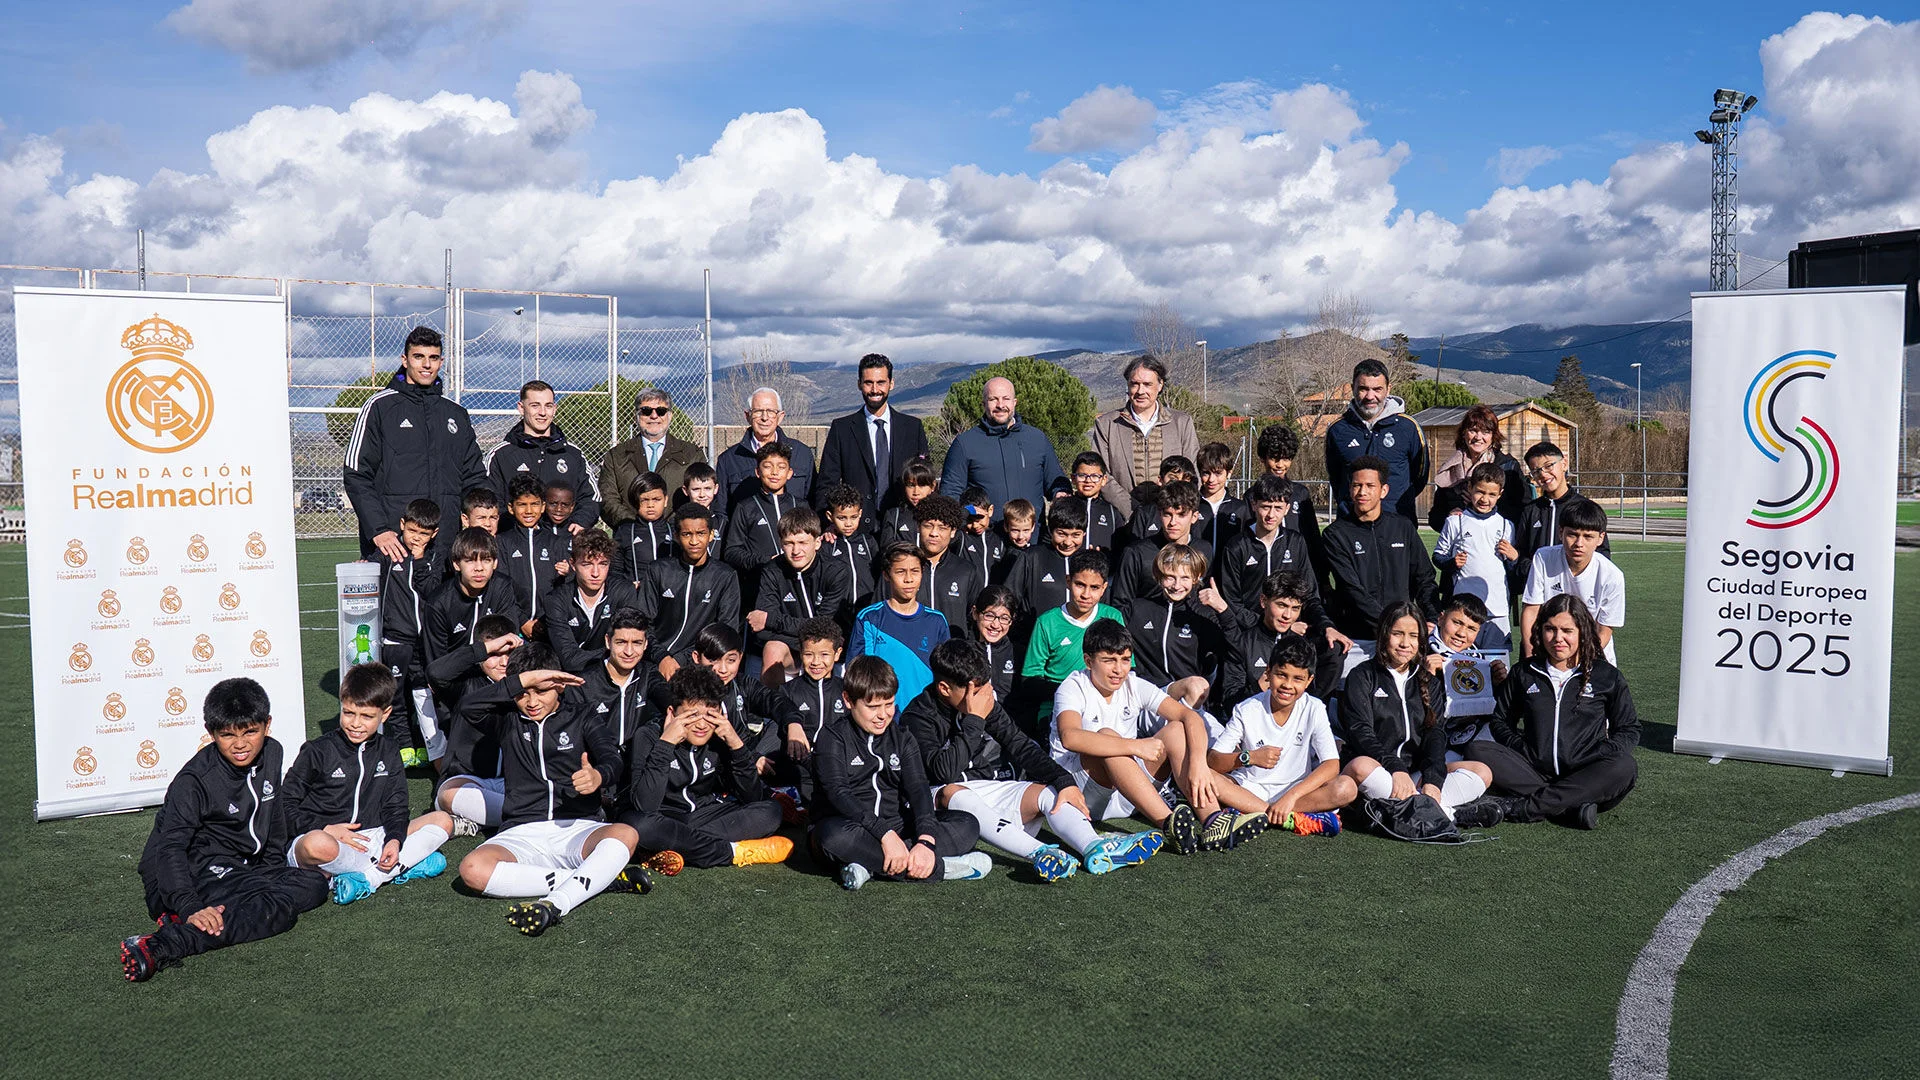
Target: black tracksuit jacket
{"points": [[639, 544], [527, 558], [1590, 719], [1248, 648], [816, 704], [1390, 728], [1216, 527], [404, 589], [539, 760], [878, 782], [554, 460], [409, 442], [678, 780], [989, 553], [753, 530], [1133, 572], [1104, 523], [824, 590], [1246, 562], [332, 781], [1174, 640], [949, 587], [478, 707], [624, 709], [961, 746], [452, 614], [579, 636], [1539, 527], [1375, 563], [216, 818], [856, 553], [1003, 660], [679, 599], [1039, 581]]}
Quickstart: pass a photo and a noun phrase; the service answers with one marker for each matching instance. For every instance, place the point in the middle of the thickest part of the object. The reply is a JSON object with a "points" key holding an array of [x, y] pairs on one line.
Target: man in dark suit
{"points": [[870, 447], [651, 449]]}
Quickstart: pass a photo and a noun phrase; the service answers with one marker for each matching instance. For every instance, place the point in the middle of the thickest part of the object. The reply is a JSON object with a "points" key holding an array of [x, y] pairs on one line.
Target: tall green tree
{"points": [[1570, 387], [1050, 399], [1426, 394]]}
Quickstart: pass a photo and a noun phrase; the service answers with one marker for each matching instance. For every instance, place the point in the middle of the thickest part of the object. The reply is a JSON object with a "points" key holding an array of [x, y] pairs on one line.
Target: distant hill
{"points": [[1607, 353]]}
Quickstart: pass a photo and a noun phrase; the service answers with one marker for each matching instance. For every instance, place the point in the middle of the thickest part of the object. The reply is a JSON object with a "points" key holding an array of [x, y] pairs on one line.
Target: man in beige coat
{"points": [[1135, 439]]}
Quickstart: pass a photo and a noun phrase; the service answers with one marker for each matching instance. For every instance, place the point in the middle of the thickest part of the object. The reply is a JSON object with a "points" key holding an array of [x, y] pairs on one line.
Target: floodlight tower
{"points": [[1723, 261]]}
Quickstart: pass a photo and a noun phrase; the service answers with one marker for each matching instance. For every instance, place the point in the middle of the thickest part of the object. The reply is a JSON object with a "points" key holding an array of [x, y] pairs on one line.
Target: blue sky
{"points": [[957, 180]]}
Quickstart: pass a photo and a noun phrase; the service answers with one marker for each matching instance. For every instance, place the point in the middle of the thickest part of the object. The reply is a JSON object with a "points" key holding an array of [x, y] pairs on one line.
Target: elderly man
{"points": [[1376, 425], [1009, 459], [1134, 440], [651, 450], [736, 465]]}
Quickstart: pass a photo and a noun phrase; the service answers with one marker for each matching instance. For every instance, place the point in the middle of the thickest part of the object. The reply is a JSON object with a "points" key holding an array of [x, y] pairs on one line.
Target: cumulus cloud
{"points": [[1104, 118], [315, 33], [1514, 163], [1240, 226]]}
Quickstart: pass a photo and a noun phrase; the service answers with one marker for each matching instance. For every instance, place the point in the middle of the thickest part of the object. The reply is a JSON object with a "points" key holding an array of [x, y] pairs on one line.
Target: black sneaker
{"points": [[1512, 808], [1586, 817], [138, 962], [1482, 813], [534, 917], [1183, 830]]}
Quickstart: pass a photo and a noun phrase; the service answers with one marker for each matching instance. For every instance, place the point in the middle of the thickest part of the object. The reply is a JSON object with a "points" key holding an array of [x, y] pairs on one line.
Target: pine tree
{"points": [[1570, 386]]}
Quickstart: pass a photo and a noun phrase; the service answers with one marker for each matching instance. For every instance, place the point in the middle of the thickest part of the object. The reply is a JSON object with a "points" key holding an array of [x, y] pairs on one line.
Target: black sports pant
{"points": [[1604, 782], [705, 837], [260, 901], [846, 841], [404, 661]]}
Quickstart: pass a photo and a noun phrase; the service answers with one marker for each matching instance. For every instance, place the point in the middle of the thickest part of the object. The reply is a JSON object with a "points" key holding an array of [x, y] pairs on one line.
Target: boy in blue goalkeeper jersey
{"points": [[900, 630]]}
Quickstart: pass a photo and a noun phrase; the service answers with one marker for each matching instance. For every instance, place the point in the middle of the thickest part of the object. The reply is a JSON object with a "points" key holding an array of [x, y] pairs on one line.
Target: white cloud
{"points": [[1514, 163], [1104, 118], [315, 33], [1241, 229]]}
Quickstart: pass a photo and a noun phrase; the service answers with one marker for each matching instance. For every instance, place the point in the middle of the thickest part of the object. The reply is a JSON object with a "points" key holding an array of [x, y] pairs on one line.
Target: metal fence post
{"points": [[708, 333], [613, 374]]}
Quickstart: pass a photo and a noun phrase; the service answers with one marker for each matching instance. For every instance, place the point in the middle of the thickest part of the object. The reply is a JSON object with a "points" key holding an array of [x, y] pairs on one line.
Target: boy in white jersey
{"points": [[1576, 566], [1278, 750], [1475, 552]]}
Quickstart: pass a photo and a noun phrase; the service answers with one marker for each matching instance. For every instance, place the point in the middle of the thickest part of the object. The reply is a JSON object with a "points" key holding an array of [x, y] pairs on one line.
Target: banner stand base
{"points": [[1837, 765]]}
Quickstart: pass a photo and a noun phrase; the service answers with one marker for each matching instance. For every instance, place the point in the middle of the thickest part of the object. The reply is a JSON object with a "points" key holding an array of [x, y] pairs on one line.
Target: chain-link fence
{"points": [[343, 342]]}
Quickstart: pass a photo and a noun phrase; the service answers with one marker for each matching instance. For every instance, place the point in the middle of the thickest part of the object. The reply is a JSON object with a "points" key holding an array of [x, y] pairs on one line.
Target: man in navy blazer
{"points": [[870, 447]]}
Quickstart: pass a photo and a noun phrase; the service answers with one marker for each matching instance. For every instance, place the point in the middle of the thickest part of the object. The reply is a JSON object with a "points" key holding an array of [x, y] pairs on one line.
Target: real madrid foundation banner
{"points": [[159, 500], [1786, 650]]}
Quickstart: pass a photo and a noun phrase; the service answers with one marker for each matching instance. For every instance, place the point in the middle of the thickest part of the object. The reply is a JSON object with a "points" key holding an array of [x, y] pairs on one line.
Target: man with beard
{"points": [[1008, 459], [870, 447], [1376, 425]]}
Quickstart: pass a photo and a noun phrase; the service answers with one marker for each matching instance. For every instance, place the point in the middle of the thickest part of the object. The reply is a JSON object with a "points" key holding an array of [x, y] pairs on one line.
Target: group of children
{"points": [[930, 675]]}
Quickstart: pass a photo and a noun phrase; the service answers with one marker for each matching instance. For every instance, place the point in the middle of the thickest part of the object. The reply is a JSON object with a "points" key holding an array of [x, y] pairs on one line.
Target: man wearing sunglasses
{"points": [[651, 449], [738, 480]]}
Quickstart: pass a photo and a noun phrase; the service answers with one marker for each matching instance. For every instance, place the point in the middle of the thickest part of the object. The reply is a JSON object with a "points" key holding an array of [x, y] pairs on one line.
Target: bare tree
{"points": [[1347, 313], [763, 362], [1164, 332]]}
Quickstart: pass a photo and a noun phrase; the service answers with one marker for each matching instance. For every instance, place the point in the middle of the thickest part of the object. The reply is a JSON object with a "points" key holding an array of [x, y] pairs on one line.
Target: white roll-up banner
{"points": [[1787, 649], [160, 559]]}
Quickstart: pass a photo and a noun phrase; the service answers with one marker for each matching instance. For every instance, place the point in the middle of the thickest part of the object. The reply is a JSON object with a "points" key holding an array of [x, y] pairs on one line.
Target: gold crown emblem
{"points": [[109, 605], [83, 761], [176, 701], [197, 548], [76, 555], [262, 645], [156, 335], [256, 546], [157, 401], [202, 648], [142, 652], [205, 738], [229, 596], [80, 659], [149, 755], [115, 708]]}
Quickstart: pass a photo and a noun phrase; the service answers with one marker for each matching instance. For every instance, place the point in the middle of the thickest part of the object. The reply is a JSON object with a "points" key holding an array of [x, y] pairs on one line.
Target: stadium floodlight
{"points": [[1747, 105], [1723, 260], [1704, 136], [1725, 97], [1722, 116]]}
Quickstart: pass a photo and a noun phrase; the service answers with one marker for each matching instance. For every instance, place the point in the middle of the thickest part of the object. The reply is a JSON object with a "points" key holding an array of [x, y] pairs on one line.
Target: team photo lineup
{"points": [[614, 671]]}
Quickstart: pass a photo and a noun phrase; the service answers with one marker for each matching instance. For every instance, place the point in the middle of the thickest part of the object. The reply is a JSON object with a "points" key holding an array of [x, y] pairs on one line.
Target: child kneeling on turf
{"points": [[1118, 735], [553, 843], [353, 774], [694, 796], [1278, 750], [978, 762], [873, 794], [215, 867]]}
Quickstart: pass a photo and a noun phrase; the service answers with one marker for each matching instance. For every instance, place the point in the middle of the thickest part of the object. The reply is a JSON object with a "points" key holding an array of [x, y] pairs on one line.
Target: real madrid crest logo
{"points": [[157, 401], [229, 596], [76, 555], [262, 645], [109, 605], [137, 551], [142, 652], [197, 548], [149, 755], [176, 701], [115, 708], [79, 659], [83, 761], [1464, 678], [170, 600], [202, 648], [256, 546]]}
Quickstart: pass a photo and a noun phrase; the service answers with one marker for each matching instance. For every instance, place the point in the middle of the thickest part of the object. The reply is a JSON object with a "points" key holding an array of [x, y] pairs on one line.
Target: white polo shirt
{"points": [[1305, 739]]}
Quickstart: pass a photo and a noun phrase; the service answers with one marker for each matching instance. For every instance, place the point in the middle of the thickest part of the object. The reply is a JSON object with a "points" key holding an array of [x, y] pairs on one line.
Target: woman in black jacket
{"points": [[1396, 738], [1563, 725]]}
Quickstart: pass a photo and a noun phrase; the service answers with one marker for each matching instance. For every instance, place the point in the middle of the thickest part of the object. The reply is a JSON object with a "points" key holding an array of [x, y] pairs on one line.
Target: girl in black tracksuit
{"points": [[1563, 725], [995, 613]]}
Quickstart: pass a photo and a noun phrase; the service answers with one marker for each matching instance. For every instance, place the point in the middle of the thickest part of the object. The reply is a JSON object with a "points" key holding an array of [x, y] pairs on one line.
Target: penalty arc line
{"points": [[1643, 1026]]}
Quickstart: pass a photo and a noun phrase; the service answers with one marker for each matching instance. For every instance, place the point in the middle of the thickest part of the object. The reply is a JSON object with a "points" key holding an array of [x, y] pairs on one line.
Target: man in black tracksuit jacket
{"points": [[334, 781], [220, 840], [1559, 748], [409, 443], [869, 785], [550, 458], [696, 798], [1374, 563]]}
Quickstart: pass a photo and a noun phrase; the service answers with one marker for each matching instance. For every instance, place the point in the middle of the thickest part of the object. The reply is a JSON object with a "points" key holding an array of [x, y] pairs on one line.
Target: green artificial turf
{"points": [[1348, 956]]}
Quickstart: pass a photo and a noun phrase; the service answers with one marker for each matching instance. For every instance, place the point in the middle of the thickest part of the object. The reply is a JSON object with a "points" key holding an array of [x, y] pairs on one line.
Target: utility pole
{"points": [[1203, 368]]}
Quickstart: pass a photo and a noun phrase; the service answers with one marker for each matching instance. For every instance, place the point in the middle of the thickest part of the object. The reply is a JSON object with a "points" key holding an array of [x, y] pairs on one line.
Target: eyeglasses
{"points": [[763, 412], [654, 410], [1089, 476], [995, 617]]}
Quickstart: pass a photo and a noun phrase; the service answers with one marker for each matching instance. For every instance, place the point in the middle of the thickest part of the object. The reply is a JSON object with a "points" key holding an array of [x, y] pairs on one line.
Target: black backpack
{"points": [[1416, 819]]}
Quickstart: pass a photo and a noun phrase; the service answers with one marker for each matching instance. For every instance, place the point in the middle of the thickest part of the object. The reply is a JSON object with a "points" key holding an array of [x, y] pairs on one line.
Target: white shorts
{"points": [[548, 845], [1267, 788], [348, 861], [1003, 796]]}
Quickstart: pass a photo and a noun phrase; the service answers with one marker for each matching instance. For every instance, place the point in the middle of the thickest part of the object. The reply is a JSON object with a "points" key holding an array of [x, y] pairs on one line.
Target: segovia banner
{"points": [[1786, 642], [159, 502]]}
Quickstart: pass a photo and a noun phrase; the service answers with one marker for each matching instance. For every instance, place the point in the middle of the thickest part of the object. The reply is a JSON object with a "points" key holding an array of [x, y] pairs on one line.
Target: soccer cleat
{"points": [[665, 863], [1110, 853], [853, 875], [138, 961], [350, 887], [791, 812], [166, 919], [433, 865], [464, 826], [1225, 829], [1313, 823], [1053, 863], [634, 879], [1586, 817], [1481, 813], [771, 849], [1183, 830], [972, 866], [1515, 808], [534, 917], [412, 757]]}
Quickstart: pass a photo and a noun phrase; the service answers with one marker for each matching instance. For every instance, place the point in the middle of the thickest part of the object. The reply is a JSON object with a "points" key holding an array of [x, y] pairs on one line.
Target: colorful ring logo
{"points": [[1819, 457]]}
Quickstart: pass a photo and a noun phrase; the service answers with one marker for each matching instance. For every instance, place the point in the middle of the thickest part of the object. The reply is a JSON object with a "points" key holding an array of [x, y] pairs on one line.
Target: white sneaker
{"points": [[853, 875], [972, 866], [465, 826]]}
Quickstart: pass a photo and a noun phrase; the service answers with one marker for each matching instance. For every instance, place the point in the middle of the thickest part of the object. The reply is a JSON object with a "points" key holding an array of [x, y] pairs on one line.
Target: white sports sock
{"points": [[1067, 822], [595, 873], [510, 879], [1001, 832], [1377, 784], [425, 841], [475, 803], [1462, 786]]}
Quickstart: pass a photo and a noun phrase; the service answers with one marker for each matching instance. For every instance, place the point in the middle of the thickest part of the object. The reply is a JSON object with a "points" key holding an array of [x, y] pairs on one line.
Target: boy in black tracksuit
{"points": [[404, 588], [454, 611], [215, 867], [847, 543], [531, 551], [1040, 579], [576, 612], [1267, 547], [1179, 510], [682, 595], [476, 701], [757, 712], [1103, 522], [693, 789], [877, 816], [345, 798], [753, 524], [1221, 515], [899, 525], [1178, 642], [648, 537], [1375, 557], [797, 586], [950, 581], [815, 696], [1281, 612]]}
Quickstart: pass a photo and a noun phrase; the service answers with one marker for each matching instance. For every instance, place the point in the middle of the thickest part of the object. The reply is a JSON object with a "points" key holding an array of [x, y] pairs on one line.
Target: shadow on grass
{"points": [[1657, 737]]}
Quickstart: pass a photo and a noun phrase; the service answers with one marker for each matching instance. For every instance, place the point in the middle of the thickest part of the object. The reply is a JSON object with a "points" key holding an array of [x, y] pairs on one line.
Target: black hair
{"points": [[919, 473], [533, 656], [975, 495], [690, 511], [1543, 448], [994, 596], [1293, 651], [472, 543], [696, 685], [699, 470], [493, 627], [820, 629], [959, 663], [1089, 457], [233, 704], [1106, 636], [369, 685], [1285, 585], [1469, 605], [1177, 463], [942, 509], [1421, 679], [1180, 495], [1368, 368], [774, 449], [1590, 651], [1214, 457], [424, 513], [716, 640], [1089, 559], [627, 618], [421, 336], [643, 484], [478, 498], [1270, 488], [1067, 514], [524, 485], [842, 496], [896, 551], [875, 360], [533, 387], [1368, 463], [1278, 442], [1145, 360], [1583, 515]]}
